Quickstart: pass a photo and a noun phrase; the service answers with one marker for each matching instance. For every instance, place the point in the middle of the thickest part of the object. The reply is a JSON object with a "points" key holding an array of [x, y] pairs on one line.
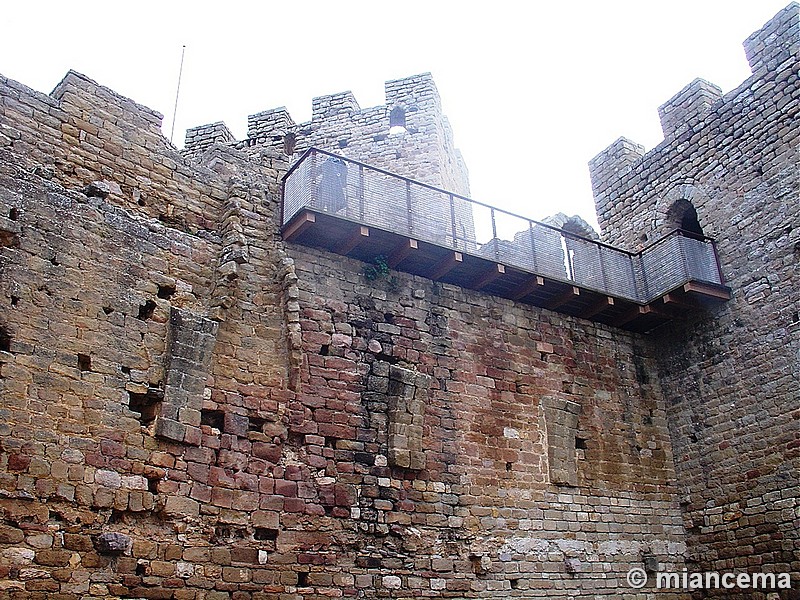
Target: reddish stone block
{"points": [[294, 505], [237, 425], [162, 459], [18, 462], [266, 485], [222, 497], [286, 488], [244, 555], [246, 481], [269, 452], [246, 501], [293, 472], [201, 493], [204, 456], [197, 472], [218, 476], [346, 495], [271, 503], [112, 448], [342, 432]]}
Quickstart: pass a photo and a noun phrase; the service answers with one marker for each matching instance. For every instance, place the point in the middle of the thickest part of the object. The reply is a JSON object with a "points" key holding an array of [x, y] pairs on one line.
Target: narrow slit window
{"points": [[397, 121]]}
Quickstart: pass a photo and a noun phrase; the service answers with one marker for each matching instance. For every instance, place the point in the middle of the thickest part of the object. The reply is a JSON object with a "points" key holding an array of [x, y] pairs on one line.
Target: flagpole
{"points": [[177, 93]]}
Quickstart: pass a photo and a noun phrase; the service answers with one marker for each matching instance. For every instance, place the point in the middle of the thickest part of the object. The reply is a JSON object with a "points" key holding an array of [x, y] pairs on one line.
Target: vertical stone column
{"points": [[561, 418], [407, 392], [189, 349]]}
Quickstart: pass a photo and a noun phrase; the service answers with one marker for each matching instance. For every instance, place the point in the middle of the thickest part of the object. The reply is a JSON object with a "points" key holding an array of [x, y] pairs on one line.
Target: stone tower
{"points": [[728, 165]]}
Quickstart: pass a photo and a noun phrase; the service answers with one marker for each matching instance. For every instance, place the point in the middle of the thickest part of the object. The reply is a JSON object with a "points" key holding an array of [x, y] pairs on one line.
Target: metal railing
{"points": [[351, 190]]}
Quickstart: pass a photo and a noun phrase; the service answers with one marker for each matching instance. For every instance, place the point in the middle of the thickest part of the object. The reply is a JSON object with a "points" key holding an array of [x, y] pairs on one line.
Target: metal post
{"points": [[410, 209], [312, 189], [453, 222], [684, 261], [494, 237], [361, 208], [533, 246], [719, 264], [600, 251]]}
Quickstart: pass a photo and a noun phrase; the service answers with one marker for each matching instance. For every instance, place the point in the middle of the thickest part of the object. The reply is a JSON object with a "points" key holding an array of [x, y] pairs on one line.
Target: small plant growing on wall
{"points": [[379, 270]]}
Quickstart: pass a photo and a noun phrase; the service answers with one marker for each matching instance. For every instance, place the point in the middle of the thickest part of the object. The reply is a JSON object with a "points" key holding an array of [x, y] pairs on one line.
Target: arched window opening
{"points": [[397, 121], [683, 215]]}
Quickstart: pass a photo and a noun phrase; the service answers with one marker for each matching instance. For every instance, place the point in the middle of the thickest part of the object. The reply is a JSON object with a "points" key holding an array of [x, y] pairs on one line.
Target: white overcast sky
{"points": [[533, 89]]}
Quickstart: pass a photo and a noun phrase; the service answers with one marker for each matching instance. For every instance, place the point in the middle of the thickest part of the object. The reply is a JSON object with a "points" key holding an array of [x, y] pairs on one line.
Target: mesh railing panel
{"points": [[701, 260], [619, 270], [297, 190], [354, 191]]}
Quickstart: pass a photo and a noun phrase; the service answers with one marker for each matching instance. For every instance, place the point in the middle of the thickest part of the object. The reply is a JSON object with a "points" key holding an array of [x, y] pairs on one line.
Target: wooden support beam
{"points": [[633, 313], [528, 287], [708, 290], [562, 299], [354, 240], [595, 309], [298, 225], [444, 266], [677, 300], [401, 252], [489, 276]]}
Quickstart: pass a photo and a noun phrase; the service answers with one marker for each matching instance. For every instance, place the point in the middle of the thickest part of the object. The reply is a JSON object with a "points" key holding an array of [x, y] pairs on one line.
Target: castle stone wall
{"points": [[544, 470], [731, 376], [192, 410]]}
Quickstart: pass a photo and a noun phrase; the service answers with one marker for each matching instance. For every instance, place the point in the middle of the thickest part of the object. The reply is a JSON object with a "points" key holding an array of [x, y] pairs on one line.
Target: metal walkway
{"points": [[352, 209]]}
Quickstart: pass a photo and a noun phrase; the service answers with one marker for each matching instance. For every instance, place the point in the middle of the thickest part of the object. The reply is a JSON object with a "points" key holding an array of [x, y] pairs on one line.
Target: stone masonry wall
{"points": [[509, 497], [730, 378], [192, 409], [141, 349], [189, 412]]}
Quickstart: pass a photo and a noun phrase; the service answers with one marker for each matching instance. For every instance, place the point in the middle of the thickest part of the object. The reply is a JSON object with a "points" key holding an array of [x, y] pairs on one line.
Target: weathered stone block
{"points": [[113, 543], [178, 506]]}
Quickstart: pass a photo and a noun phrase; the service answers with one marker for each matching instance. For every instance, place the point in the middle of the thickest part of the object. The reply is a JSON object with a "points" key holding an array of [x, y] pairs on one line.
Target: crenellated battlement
{"points": [[687, 108], [775, 43], [698, 111], [269, 122], [332, 105], [204, 136], [409, 134]]}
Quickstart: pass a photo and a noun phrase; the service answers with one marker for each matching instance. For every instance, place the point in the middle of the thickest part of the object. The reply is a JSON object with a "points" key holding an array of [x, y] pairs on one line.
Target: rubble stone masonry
{"points": [[193, 409]]}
